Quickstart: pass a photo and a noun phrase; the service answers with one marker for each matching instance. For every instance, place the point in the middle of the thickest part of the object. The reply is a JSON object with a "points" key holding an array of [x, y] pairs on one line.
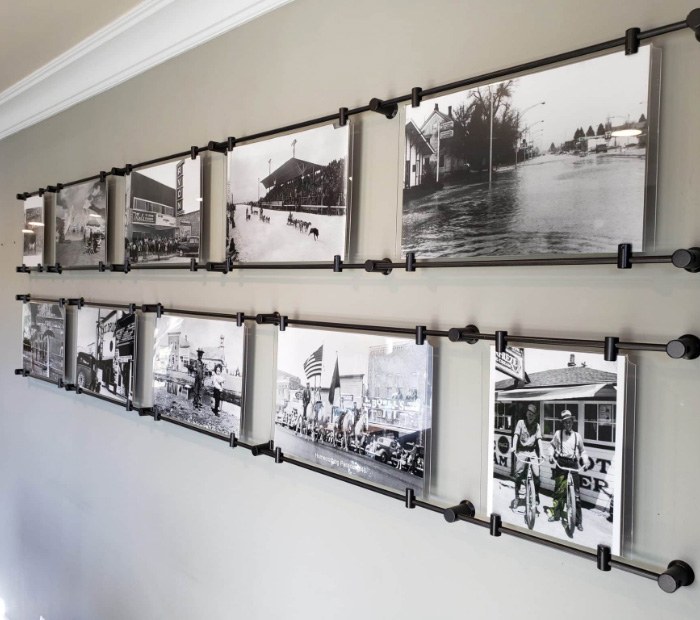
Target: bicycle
{"points": [[570, 522], [530, 491]]}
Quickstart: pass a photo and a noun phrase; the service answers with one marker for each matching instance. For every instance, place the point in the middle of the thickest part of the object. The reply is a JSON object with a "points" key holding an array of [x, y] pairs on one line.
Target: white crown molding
{"points": [[121, 50]]}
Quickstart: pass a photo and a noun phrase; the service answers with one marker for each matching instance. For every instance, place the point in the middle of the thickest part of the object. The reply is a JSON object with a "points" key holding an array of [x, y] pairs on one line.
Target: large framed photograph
{"points": [[106, 351], [44, 339], [81, 224], [556, 435], [164, 213], [562, 161], [288, 198], [358, 404], [199, 372], [33, 231]]}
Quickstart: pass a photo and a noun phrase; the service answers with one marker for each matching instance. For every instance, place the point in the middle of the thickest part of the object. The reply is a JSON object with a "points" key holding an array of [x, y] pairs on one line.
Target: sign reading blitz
{"points": [[178, 185], [512, 363]]}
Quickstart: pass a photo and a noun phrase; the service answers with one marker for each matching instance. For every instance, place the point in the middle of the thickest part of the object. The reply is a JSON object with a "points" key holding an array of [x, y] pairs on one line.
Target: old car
{"points": [[188, 246]]}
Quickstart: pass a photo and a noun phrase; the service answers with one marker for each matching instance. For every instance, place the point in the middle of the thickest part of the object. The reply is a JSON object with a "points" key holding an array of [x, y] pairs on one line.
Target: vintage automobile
{"points": [[87, 372], [188, 247], [384, 449]]}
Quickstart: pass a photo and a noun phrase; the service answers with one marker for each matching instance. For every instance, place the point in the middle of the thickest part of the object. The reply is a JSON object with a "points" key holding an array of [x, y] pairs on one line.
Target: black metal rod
{"points": [[146, 266], [44, 379], [106, 399], [81, 268], [204, 313], [435, 90], [99, 304], [197, 429]]}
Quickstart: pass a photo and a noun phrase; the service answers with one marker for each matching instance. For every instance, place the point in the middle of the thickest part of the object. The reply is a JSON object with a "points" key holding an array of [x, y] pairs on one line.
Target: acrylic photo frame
{"points": [[535, 211], [33, 231]]}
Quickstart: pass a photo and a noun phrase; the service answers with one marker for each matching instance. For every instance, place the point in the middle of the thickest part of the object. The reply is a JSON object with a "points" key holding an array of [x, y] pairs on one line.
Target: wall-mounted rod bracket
{"points": [[223, 267], [381, 107], [464, 509], [158, 308], [23, 269], [23, 298], [463, 334], [693, 22], [687, 259], [383, 266], [76, 301], [57, 268], [686, 347], [22, 372], [677, 575], [261, 448], [124, 267]]}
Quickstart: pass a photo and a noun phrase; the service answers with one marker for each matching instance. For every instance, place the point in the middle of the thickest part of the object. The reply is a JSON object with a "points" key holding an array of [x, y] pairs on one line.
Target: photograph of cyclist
{"points": [[527, 443], [556, 444], [568, 455]]}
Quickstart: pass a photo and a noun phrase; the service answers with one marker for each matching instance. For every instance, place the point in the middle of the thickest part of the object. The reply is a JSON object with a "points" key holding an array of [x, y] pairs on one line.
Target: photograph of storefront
{"points": [[357, 403], [106, 346], [81, 219], [534, 393], [528, 166], [33, 231], [287, 197], [164, 213], [199, 372], [43, 339]]}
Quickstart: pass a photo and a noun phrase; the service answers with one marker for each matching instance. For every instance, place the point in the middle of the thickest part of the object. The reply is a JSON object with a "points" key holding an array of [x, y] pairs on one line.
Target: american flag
{"points": [[312, 366]]}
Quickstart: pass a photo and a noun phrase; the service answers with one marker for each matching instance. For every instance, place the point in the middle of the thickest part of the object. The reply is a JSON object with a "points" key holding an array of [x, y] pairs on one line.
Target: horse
{"points": [[346, 428], [314, 231], [361, 428]]}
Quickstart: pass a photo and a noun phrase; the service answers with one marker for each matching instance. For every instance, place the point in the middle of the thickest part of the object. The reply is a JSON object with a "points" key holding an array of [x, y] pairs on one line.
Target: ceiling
{"points": [[33, 32], [49, 49]]}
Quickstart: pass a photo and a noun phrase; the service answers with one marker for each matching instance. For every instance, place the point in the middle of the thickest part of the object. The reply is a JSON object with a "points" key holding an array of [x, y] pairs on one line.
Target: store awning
{"points": [[575, 392]]}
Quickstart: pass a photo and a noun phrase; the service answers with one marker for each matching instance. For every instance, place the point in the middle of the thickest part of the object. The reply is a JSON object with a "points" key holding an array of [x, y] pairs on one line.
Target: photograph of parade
{"points": [[199, 372], [163, 213], [553, 162], [81, 217], [44, 340], [288, 197], [106, 349], [33, 231], [358, 404], [556, 431]]}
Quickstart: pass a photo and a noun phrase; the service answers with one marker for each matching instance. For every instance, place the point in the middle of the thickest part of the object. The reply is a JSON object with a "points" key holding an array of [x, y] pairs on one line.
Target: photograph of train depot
{"points": [[106, 349], [531, 165], [199, 372], [288, 197], [33, 231], [163, 213], [81, 219], [44, 339], [358, 404], [556, 431]]}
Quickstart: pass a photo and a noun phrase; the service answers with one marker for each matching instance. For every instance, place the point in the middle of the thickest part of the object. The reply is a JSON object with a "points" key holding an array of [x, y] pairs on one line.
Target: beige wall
{"points": [[106, 515]]}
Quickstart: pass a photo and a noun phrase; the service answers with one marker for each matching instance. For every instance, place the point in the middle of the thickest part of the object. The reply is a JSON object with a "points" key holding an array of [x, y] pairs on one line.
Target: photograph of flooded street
{"points": [[554, 162]]}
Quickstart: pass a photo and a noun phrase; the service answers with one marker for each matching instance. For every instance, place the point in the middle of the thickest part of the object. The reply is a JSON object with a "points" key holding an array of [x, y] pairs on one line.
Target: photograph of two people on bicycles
{"points": [[556, 431]]}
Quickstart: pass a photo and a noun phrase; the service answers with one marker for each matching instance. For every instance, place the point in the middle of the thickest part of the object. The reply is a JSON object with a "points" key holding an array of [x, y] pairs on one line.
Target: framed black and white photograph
{"points": [[562, 161], [33, 231], [556, 435], [199, 372], [44, 339], [164, 213], [358, 404], [106, 352], [81, 224], [288, 198]]}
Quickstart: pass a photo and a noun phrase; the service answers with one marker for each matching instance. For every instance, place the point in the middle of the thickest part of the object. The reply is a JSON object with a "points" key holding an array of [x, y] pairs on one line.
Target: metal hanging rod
{"points": [[389, 107], [683, 258]]}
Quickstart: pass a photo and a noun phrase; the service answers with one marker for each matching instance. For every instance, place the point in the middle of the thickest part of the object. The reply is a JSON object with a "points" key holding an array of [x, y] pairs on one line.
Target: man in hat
{"points": [[198, 368], [568, 453], [527, 446]]}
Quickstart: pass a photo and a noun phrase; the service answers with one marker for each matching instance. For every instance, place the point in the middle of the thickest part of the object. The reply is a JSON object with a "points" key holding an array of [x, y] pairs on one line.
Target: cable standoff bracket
{"points": [[382, 107], [261, 448], [410, 261], [611, 348], [383, 266], [103, 176], [22, 372], [158, 308], [463, 334], [687, 259], [193, 264], [420, 334], [342, 117], [410, 498], [337, 264], [416, 96], [279, 457], [156, 414], [131, 308], [454, 513], [624, 256], [631, 41], [60, 384], [240, 319], [101, 267], [23, 298], [501, 341], [232, 440], [194, 151]]}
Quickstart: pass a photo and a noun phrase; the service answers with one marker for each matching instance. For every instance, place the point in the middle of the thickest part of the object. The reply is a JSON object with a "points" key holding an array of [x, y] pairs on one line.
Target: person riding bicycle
{"points": [[527, 445], [567, 452]]}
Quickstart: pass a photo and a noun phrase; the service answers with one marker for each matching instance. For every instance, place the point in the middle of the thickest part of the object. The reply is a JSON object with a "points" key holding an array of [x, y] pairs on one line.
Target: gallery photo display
{"points": [[81, 224], [556, 438], [199, 372], [164, 213], [358, 404], [44, 340], [106, 350], [33, 231], [533, 165], [288, 197]]}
